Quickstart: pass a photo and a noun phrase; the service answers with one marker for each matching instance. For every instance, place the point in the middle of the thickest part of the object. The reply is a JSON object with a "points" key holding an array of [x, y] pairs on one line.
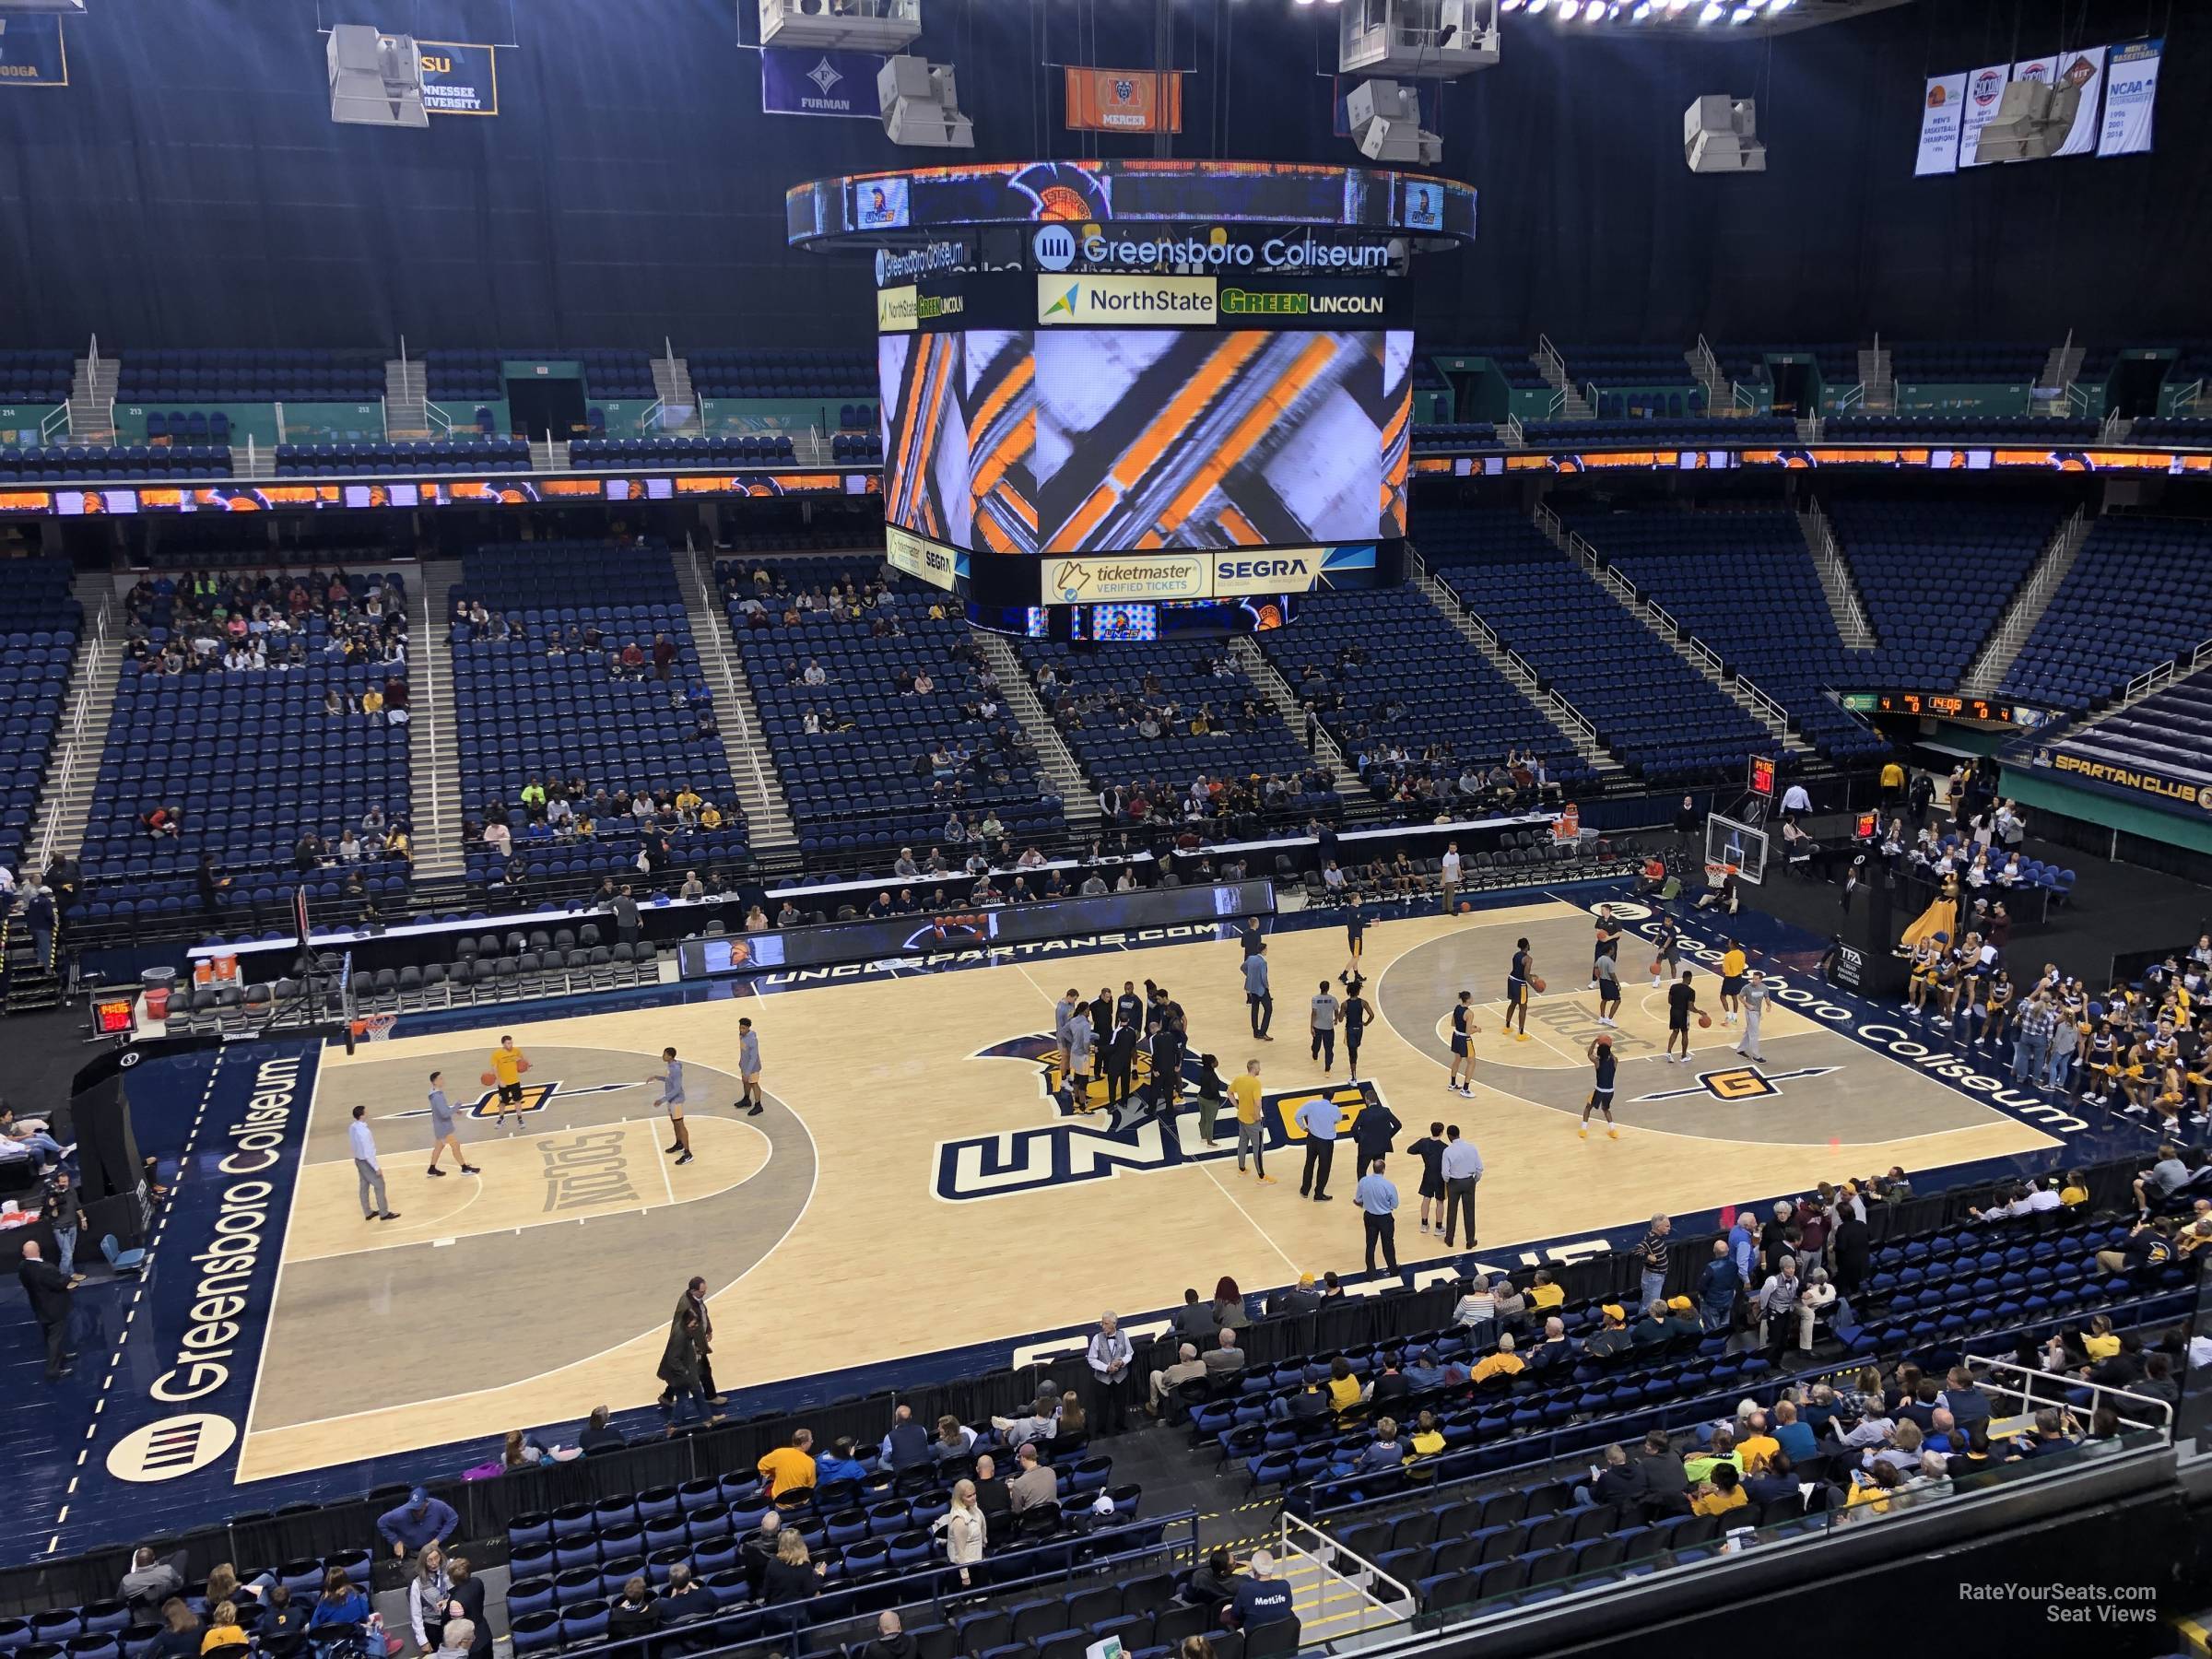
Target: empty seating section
{"points": [[2014, 365], [1667, 722], [466, 375], [1440, 436], [167, 377], [1421, 683], [2168, 733], [2028, 431], [1745, 583], [525, 711], [402, 460], [82, 463], [865, 780], [726, 450], [1644, 432], [40, 621], [1655, 380], [2139, 593], [793, 371], [35, 377], [1934, 577], [2193, 431], [1101, 698], [614, 372], [856, 446], [248, 762]]}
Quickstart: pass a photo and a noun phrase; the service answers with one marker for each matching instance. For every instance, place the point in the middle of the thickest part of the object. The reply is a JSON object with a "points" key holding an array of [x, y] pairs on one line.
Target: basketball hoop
{"points": [[375, 1028]]}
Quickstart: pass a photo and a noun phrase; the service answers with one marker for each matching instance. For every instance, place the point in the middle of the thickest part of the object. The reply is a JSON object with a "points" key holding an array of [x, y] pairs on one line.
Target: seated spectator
{"points": [[152, 1579], [1035, 1483], [1721, 1491], [1776, 1480], [1212, 1582], [2147, 1248], [183, 1633], [282, 1629], [2054, 1429], [1504, 1363], [1225, 1357], [791, 1466], [1343, 1387], [792, 1575], [1428, 1437], [1038, 1425], [635, 1612], [598, 1435], [1260, 1597], [955, 1440], [839, 1463], [1188, 1368], [1617, 1480], [340, 1611], [1384, 1451], [223, 1630]]}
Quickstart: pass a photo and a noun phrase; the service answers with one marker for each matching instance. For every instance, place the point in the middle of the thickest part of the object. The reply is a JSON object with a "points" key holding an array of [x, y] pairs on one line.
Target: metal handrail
{"points": [[711, 599], [92, 667], [2173, 667], [426, 711], [2163, 1423], [1325, 1554]]}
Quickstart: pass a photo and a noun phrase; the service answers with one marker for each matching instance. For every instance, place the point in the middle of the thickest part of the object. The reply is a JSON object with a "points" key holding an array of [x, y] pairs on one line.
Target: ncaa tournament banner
{"points": [[459, 78], [1984, 92], [809, 82], [2131, 90], [31, 54], [1940, 111], [1124, 100]]}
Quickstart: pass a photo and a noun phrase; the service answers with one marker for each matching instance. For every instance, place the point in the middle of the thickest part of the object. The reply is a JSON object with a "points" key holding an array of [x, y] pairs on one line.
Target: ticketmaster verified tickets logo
{"points": [[1173, 302]]}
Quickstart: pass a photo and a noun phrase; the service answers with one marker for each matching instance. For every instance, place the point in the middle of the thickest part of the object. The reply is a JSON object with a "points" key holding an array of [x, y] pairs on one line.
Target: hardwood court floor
{"points": [[908, 1192]]}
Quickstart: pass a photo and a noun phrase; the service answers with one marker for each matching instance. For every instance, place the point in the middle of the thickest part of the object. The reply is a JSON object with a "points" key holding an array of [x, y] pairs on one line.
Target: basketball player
{"points": [[508, 1064], [748, 1068], [1356, 1012], [1752, 999], [1666, 951], [1601, 1096], [1322, 1022], [1608, 948], [1354, 939], [672, 1096], [1732, 981], [1462, 1080], [442, 1131], [1062, 1011], [1681, 1003], [1609, 989], [1079, 1039], [1516, 988], [1447, 882]]}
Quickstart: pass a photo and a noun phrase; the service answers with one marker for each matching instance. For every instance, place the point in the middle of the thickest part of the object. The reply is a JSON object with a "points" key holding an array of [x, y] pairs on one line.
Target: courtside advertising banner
{"points": [[1940, 112], [2130, 89], [1124, 100], [1984, 92]]}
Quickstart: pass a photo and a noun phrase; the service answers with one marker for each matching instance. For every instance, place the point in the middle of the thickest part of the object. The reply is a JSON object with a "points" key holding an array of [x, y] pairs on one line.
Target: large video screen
{"points": [[1103, 440]]}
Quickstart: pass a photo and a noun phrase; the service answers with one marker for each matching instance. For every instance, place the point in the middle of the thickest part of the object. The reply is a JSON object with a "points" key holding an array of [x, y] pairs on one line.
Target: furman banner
{"points": [[1124, 100], [2130, 91], [1940, 111], [820, 82], [459, 77], [31, 52]]}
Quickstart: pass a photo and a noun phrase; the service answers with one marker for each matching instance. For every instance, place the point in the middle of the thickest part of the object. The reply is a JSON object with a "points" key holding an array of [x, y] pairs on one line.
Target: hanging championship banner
{"points": [[1941, 111], [2084, 71], [1984, 93], [1124, 100], [2130, 89], [820, 82], [31, 54], [459, 78]]}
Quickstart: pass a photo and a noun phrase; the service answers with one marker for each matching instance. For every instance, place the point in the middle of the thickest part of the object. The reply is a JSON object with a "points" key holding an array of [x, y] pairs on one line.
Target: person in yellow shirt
{"points": [[2075, 1195], [508, 1065], [1252, 1133], [1344, 1388], [787, 1468], [223, 1629], [1544, 1295], [2099, 1342], [1757, 1445], [1503, 1363], [1428, 1438], [1893, 782], [1732, 982], [1722, 1492], [686, 800], [709, 816]]}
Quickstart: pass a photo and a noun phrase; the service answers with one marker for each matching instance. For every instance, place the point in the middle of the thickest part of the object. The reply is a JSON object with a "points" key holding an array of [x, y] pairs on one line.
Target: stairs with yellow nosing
{"points": [[1331, 1606]]}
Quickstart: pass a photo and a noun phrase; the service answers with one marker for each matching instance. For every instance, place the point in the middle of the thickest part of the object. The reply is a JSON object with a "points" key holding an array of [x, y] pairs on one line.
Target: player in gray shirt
{"points": [[443, 1132], [749, 1067], [1752, 999], [1608, 990], [672, 1096], [1078, 1040], [1324, 1024]]}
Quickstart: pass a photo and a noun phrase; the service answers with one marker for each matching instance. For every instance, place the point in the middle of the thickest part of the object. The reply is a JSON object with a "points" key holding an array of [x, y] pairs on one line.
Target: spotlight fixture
{"points": [[1569, 9], [1536, 7], [1743, 13], [1709, 13], [1644, 10]]}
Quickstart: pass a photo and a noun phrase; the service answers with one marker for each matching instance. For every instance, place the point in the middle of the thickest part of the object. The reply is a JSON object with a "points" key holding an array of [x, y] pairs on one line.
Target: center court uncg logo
{"points": [[1054, 246]]}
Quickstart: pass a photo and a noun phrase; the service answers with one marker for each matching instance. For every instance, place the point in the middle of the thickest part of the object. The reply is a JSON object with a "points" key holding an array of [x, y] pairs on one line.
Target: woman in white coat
{"points": [[964, 1527]]}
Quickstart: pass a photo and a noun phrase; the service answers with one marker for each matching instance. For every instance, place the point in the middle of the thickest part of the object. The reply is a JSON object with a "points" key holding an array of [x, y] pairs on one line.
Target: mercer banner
{"points": [[1124, 100]]}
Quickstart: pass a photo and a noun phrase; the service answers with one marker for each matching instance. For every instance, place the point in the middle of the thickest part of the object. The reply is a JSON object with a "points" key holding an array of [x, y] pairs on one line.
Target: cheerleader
{"points": [[1926, 956], [1996, 1011], [2136, 1077], [2099, 1065]]}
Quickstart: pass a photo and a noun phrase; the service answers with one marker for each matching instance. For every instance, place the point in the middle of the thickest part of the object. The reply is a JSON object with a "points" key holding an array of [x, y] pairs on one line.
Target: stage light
{"points": [[1569, 10], [1613, 11], [1508, 5], [1536, 7], [1743, 13], [1711, 12], [1644, 10]]}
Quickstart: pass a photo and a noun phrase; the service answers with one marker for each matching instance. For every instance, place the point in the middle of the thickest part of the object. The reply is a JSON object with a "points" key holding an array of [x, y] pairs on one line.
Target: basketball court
{"points": [[913, 1187]]}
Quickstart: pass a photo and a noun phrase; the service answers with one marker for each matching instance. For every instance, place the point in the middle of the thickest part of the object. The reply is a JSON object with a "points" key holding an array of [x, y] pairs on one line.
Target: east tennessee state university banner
{"points": [[1124, 100]]}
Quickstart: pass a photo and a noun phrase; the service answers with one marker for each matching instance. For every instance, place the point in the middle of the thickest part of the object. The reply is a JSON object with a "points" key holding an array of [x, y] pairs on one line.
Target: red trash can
{"points": [[157, 1002]]}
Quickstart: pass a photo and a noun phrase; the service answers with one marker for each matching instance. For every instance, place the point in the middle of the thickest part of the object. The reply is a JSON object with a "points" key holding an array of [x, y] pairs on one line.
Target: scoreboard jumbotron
{"points": [[1120, 399]]}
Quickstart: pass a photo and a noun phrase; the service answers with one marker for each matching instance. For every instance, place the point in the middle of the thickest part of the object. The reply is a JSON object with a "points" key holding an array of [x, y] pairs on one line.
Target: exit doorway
{"points": [[546, 405]]}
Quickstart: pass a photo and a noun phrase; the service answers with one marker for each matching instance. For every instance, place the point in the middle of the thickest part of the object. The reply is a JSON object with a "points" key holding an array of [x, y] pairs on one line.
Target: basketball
{"points": [[1654, 970], [1535, 983], [1704, 1021], [522, 1065], [487, 1079]]}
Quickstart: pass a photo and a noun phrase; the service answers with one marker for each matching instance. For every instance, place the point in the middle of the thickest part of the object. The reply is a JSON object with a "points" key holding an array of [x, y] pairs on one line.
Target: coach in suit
{"points": [[1121, 1061], [49, 1295]]}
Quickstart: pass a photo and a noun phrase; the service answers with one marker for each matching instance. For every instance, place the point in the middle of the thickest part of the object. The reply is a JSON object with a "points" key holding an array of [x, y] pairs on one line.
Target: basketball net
{"points": [[375, 1028]]}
